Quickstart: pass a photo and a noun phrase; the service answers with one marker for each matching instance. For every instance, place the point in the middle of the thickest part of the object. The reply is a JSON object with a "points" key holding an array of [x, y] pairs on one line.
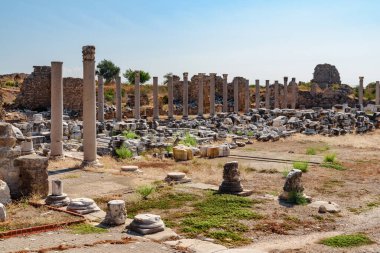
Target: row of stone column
{"points": [[361, 93], [89, 108]]}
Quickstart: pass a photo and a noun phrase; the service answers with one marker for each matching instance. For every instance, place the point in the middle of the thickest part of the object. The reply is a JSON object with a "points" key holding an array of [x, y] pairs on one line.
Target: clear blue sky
{"points": [[256, 39]]}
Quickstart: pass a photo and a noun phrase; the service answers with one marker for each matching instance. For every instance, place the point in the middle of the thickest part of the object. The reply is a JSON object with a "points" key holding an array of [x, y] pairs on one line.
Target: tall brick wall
{"points": [[35, 93]]}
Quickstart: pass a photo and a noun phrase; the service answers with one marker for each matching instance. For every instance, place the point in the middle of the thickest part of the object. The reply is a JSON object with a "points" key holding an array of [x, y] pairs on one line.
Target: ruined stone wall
{"points": [[35, 93], [2, 111]]}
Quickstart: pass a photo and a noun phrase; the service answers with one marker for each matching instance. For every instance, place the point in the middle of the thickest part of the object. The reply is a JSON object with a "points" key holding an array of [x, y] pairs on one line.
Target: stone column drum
{"points": [[156, 112], [276, 95], [170, 97], [185, 101], [89, 107], [225, 93], [294, 93], [361, 79], [115, 213], [200, 95], [267, 95], [236, 95], [100, 99], [377, 92], [137, 95], [247, 101], [285, 104], [56, 134], [257, 94], [212, 94], [118, 99]]}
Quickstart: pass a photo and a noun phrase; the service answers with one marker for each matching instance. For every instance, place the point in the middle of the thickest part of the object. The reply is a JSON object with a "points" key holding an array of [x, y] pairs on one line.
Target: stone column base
{"points": [[95, 164]]}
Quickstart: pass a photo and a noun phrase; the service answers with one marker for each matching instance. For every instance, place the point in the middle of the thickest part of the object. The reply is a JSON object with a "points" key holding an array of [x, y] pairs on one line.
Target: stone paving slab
{"points": [[198, 246]]}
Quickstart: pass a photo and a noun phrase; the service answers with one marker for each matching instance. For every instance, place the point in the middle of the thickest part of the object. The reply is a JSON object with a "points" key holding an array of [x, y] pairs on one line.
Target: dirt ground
{"points": [[284, 228]]}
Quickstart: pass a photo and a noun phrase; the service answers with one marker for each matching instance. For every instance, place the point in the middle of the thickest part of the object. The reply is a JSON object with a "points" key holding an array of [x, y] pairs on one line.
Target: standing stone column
{"points": [[185, 97], [56, 134], [276, 90], [377, 92], [156, 112], [100, 99], [236, 95], [285, 104], [257, 94], [200, 94], [294, 93], [361, 92], [246, 97], [225, 93], [170, 97], [212, 94], [137, 95], [267, 95], [89, 107], [118, 99]]}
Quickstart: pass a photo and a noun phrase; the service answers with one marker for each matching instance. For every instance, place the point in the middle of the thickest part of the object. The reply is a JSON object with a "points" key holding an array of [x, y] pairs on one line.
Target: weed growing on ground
{"points": [[189, 140], [297, 198], [85, 228], [311, 151], [145, 190], [285, 173], [124, 153], [342, 241], [335, 165], [130, 135], [301, 165], [329, 158]]}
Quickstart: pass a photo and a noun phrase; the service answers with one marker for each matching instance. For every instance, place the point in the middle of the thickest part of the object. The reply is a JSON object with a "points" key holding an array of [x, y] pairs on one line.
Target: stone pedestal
{"points": [[57, 197], [89, 107], [285, 102], [100, 99], [33, 175], [170, 98], [267, 95], [294, 93], [200, 95], [118, 99], [236, 95], [231, 180], [56, 134], [377, 92], [115, 213], [276, 95], [137, 95], [147, 224], [361, 79], [247, 102], [155, 99], [225, 93], [212, 94], [177, 178], [27, 146], [83, 206], [185, 102], [257, 94]]}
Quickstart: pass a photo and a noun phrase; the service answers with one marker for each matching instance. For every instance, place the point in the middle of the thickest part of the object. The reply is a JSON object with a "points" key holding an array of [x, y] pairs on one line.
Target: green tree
{"points": [[166, 77], [107, 69], [130, 75]]}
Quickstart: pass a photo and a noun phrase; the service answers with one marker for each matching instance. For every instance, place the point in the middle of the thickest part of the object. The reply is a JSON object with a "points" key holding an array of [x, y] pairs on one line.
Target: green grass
{"points": [[301, 165], [189, 140], [297, 198], [250, 133], [86, 229], [285, 173], [334, 165], [109, 95], [130, 135], [217, 216], [311, 151], [343, 241], [124, 153], [329, 158], [145, 190], [169, 149]]}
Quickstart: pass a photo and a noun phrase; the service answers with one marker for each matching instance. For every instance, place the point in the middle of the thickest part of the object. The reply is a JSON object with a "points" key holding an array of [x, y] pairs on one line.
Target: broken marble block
{"points": [[5, 194], [177, 177], [57, 197], [231, 180], [147, 224], [182, 153], [293, 185], [3, 213], [83, 206], [115, 213]]}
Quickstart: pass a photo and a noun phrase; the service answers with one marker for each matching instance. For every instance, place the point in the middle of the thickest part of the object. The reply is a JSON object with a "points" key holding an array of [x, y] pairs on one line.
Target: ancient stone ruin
{"points": [[231, 180], [325, 74]]}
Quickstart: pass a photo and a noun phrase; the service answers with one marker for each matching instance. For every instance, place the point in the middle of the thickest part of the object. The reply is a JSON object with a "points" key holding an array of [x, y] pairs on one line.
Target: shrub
{"points": [[297, 198], [145, 190], [329, 158], [124, 153], [302, 166], [169, 149], [342, 241], [109, 95], [130, 135], [189, 140], [250, 133], [285, 173], [311, 151]]}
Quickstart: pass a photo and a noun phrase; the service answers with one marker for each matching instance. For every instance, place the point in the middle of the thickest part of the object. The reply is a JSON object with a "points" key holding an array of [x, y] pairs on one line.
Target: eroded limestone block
{"points": [[231, 180], [115, 213]]}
